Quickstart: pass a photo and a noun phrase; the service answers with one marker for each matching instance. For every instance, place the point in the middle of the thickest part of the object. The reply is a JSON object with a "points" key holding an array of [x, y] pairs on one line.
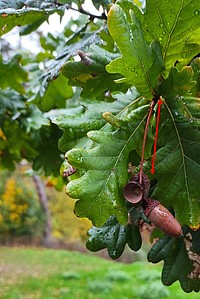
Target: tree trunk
{"points": [[48, 239]]}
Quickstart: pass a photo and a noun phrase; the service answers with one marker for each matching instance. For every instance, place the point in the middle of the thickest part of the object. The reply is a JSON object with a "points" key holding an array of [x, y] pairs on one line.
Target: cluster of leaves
{"points": [[141, 52]]}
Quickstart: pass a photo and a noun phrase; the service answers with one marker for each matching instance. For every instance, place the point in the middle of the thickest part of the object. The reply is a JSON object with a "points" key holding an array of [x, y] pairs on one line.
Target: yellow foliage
{"points": [[66, 225], [12, 209], [2, 135]]}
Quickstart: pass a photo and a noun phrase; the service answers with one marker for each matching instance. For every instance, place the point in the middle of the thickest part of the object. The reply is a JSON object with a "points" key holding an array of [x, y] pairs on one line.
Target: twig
{"points": [[82, 11]]}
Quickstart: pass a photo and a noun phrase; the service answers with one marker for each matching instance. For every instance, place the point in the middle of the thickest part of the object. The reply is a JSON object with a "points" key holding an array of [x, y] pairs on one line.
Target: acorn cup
{"points": [[135, 191], [162, 218]]}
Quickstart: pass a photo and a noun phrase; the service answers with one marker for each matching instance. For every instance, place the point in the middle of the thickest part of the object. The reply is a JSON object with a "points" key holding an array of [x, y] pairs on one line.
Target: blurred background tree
{"points": [[23, 218]]}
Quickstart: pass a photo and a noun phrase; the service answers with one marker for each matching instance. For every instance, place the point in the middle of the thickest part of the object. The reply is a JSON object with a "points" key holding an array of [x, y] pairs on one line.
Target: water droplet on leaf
{"points": [[196, 12]]}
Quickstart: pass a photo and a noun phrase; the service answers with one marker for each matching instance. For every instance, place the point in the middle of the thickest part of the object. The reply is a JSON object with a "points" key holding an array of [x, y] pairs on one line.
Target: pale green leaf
{"points": [[177, 83], [140, 63], [54, 95], [175, 24], [100, 189]]}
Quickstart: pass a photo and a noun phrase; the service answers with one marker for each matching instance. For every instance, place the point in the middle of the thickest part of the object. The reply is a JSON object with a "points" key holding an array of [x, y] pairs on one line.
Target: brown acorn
{"points": [[162, 218]]}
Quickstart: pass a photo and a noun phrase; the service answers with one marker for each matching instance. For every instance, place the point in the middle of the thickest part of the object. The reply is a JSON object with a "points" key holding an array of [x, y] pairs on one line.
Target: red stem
{"points": [[144, 140], [156, 137]]}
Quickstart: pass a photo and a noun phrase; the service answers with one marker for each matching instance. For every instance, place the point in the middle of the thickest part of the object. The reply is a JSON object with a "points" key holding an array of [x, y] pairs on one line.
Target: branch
{"points": [[82, 11]]}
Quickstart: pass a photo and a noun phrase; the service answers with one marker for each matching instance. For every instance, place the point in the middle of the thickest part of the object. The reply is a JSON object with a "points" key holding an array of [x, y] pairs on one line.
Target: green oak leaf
{"points": [[178, 154], [86, 116], [111, 235], [17, 75], [195, 64], [54, 94], [90, 73], [179, 255], [11, 102], [167, 22], [100, 189], [178, 159], [46, 143], [54, 87], [177, 83], [141, 63], [11, 17], [104, 3], [114, 237], [178, 87]]}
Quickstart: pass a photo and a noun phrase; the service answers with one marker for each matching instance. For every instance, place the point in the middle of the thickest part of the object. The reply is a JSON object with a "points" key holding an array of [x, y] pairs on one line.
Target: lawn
{"points": [[28, 273]]}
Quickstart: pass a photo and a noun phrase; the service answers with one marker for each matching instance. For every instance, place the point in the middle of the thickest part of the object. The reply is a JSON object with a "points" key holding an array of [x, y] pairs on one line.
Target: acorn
{"points": [[162, 218]]}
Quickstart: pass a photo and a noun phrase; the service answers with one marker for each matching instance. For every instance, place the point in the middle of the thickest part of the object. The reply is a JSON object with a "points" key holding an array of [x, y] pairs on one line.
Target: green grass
{"points": [[50, 274]]}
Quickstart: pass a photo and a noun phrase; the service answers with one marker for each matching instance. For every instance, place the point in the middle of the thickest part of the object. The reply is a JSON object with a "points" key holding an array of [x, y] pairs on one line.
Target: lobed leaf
{"points": [[100, 189], [140, 63], [90, 73], [111, 235], [177, 83], [77, 121], [175, 24], [179, 160], [180, 256], [114, 237], [54, 87]]}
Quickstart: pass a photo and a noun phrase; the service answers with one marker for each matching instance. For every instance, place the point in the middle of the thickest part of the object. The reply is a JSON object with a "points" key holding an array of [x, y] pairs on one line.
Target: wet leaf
{"points": [[140, 63]]}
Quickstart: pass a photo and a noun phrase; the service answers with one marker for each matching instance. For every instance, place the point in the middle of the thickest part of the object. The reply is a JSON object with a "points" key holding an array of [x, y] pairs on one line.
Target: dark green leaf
{"points": [[16, 74], [180, 259], [111, 235], [90, 72], [114, 237], [179, 160]]}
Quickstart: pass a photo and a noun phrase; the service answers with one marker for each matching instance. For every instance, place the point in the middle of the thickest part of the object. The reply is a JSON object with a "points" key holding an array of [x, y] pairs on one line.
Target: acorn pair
{"points": [[137, 194]]}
